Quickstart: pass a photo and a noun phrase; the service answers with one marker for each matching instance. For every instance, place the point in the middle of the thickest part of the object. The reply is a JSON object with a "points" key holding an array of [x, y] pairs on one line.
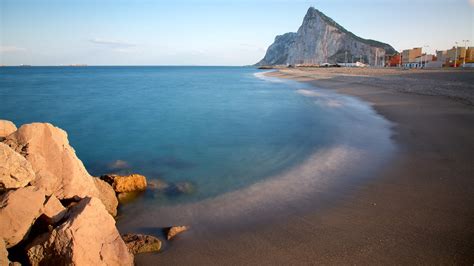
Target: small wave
{"points": [[291, 186], [308, 93], [333, 103], [261, 75], [323, 99]]}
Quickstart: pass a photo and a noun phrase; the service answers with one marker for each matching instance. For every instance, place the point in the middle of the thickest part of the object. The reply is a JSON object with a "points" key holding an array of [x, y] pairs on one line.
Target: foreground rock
{"points": [[175, 230], [127, 183], [138, 243], [47, 148], [57, 168], [87, 237], [107, 196], [15, 170], [18, 211], [53, 210], [6, 128], [3, 253]]}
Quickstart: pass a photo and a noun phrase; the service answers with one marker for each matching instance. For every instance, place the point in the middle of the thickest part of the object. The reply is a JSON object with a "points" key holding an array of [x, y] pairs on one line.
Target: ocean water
{"points": [[220, 130]]}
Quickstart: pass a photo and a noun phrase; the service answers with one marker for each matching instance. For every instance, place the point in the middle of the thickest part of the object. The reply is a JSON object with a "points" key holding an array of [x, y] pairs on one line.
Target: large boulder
{"points": [[15, 170], [128, 183], [107, 196], [138, 243], [6, 128], [87, 237], [57, 168], [19, 209], [47, 148], [3, 253], [46, 180]]}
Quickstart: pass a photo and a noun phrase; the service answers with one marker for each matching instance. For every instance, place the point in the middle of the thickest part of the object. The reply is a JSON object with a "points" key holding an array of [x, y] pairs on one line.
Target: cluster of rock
{"points": [[321, 40], [53, 209]]}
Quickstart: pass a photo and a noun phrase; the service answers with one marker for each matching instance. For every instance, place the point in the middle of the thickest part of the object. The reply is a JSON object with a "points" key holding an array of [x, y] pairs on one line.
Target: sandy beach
{"points": [[417, 210]]}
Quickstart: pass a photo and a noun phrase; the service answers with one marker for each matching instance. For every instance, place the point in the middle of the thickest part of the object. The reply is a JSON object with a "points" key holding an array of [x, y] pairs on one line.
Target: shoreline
{"points": [[347, 156], [417, 210]]}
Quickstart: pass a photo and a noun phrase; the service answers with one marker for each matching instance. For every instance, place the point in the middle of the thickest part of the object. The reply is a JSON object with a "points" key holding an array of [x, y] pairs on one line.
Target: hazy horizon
{"points": [[208, 32]]}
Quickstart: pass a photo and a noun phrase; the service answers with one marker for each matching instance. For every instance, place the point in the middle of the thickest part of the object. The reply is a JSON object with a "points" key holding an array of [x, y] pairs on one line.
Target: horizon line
{"points": [[86, 65]]}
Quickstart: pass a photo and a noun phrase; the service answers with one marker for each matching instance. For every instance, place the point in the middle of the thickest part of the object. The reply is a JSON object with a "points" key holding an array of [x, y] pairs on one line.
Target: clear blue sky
{"points": [[208, 32]]}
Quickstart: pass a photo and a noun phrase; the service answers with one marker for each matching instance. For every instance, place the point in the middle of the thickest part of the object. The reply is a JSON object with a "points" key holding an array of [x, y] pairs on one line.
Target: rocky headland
{"points": [[321, 40], [52, 211]]}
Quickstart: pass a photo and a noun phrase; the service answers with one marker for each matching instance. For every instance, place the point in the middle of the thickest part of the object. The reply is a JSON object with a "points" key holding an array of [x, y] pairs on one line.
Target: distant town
{"points": [[415, 58], [456, 57]]}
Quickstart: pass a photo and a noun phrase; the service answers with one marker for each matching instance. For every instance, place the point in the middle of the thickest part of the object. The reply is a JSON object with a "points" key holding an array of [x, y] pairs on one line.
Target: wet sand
{"points": [[419, 208]]}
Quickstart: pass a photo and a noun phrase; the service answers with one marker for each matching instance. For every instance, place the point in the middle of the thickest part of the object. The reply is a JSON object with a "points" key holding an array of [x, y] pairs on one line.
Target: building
{"points": [[470, 55], [421, 61], [456, 56], [442, 56], [409, 57], [434, 64], [456, 53], [392, 60]]}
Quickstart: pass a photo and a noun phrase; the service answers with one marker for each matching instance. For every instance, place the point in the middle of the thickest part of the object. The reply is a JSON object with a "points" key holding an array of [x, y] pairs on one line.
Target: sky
{"points": [[209, 32]]}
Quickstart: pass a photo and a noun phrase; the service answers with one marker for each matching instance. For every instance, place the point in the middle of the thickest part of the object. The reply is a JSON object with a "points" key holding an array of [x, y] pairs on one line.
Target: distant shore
{"points": [[417, 210]]}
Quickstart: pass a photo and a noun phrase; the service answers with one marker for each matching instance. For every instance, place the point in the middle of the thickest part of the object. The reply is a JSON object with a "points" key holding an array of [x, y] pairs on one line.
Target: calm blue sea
{"points": [[218, 128]]}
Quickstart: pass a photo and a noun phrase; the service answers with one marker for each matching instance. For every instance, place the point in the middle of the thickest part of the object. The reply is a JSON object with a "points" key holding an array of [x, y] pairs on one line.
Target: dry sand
{"points": [[419, 209]]}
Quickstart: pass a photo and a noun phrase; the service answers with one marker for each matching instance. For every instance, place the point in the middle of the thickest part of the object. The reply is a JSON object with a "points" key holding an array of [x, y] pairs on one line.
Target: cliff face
{"points": [[321, 40]]}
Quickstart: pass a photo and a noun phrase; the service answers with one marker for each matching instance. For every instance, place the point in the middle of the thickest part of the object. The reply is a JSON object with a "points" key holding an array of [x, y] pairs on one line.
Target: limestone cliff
{"points": [[321, 40]]}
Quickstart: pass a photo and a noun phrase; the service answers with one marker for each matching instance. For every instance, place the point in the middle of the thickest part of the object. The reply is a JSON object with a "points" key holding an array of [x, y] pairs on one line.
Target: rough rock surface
{"points": [[47, 148], [3, 253], [18, 211], [174, 230], [87, 237], [127, 183], [58, 170], [53, 210], [138, 243], [6, 128], [107, 196], [15, 170], [48, 181], [321, 40]]}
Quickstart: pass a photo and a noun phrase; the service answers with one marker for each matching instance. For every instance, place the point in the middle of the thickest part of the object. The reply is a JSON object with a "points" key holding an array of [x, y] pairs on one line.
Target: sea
{"points": [[217, 143]]}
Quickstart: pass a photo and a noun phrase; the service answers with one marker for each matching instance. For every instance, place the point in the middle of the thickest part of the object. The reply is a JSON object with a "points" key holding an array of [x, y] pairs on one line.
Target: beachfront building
{"points": [[460, 55], [469, 60], [442, 56], [392, 60], [456, 56], [424, 59], [409, 57], [470, 55], [456, 53]]}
